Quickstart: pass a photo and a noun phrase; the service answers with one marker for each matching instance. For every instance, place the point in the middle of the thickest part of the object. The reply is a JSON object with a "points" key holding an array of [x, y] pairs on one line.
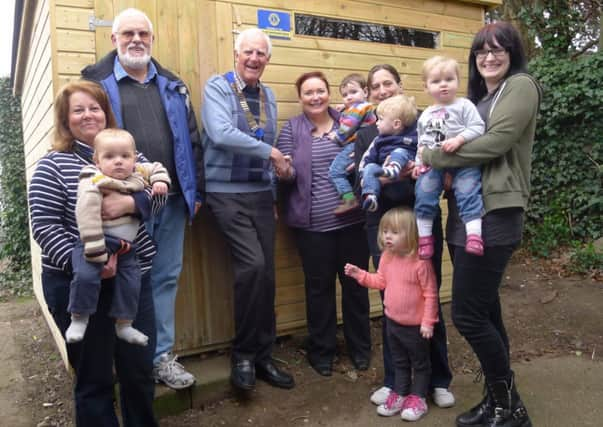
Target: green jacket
{"points": [[505, 150]]}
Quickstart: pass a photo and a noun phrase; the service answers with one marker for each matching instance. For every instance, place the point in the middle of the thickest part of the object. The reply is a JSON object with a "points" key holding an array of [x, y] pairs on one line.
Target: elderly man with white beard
{"points": [[153, 105]]}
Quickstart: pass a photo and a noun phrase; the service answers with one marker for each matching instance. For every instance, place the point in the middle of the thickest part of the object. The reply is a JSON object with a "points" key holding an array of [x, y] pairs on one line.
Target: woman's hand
{"points": [[116, 204], [426, 332], [353, 271]]}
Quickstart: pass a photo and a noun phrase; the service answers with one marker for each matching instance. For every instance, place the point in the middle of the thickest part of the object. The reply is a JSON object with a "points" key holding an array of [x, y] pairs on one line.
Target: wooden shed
{"points": [[55, 39]]}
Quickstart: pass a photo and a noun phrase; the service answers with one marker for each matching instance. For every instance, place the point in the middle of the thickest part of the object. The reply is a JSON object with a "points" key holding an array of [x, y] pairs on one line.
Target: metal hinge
{"points": [[94, 22]]}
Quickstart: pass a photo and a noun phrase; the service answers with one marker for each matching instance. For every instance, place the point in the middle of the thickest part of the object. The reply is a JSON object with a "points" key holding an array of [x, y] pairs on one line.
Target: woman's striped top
{"points": [[52, 197], [324, 197]]}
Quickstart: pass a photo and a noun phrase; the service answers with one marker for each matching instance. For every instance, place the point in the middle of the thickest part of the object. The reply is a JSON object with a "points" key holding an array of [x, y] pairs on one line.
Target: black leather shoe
{"points": [[324, 369], [360, 363], [242, 375], [267, 371]]}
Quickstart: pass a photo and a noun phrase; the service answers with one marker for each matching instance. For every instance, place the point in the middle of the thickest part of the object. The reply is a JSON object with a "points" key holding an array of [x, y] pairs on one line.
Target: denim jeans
{"points": [[167, 230], [476, 310], [337, 171], [86, 283], [92, 359], [467, 188]]}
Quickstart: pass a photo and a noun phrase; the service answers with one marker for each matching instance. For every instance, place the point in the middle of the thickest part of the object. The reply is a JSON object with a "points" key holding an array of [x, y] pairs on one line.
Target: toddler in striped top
{"points": [[357, 113]]}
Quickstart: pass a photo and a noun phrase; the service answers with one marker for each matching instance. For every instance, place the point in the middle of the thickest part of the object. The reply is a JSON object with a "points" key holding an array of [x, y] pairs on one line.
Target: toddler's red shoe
{"points": [[426, 247]]}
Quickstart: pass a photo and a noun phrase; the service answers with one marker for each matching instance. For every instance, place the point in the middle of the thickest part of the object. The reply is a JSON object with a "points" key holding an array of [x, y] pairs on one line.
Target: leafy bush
{"points": [[586, 259], [566, 201], [15, 272]]}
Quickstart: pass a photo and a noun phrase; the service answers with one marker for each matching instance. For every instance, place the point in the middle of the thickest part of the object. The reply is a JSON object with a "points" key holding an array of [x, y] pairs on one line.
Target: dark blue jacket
{"points": [[188, 154]]}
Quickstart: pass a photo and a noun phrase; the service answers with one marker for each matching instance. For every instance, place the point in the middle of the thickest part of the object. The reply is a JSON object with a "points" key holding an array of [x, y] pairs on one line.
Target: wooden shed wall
{"points": [[195, 40]]}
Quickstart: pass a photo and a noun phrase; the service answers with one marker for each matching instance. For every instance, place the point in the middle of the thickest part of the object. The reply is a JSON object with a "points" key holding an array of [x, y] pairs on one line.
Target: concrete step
{"points": [[213, 383]]}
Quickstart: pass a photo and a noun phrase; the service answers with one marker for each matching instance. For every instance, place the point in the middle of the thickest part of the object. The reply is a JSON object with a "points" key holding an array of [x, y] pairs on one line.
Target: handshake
{"points": [[282, 164]]}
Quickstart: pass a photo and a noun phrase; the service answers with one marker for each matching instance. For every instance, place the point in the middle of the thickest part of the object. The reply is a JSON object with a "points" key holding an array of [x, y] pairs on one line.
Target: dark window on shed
{"points": [[320, 26]]}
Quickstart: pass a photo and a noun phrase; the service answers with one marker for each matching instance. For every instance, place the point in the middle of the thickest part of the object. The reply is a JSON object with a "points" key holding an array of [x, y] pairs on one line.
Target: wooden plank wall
{"points": [[195, 40], [456, 22]]}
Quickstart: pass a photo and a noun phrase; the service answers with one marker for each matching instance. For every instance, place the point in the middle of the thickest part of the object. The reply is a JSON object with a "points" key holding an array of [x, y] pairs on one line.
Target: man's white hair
{"points": [[249, 33], [128, 13]]}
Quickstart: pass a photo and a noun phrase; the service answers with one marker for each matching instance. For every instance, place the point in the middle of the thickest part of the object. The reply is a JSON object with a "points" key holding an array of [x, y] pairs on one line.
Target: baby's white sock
{"points": [[474, 227], [76, 330], [425, 227], [126, 332]]}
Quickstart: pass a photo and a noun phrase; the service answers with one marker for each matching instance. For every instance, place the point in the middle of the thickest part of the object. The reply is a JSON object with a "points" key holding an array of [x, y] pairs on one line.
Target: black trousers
{"points": [[410, 357], [323, 256], [93, 358], [476, 310], [247, 222]]}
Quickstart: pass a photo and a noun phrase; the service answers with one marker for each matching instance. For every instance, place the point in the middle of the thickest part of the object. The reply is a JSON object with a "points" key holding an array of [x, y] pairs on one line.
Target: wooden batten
{"points": [[195, 40]]}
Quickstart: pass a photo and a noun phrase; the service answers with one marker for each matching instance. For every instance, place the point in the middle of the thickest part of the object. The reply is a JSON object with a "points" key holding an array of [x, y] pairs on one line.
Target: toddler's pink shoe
{"points": [[474, 245], [414, 408], [426, 247]]}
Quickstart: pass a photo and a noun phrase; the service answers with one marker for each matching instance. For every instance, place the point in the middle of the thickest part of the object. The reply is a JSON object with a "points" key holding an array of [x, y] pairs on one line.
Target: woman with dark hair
{"points": [[81, 111], [508, 100], [384, 82], [326, 242]]}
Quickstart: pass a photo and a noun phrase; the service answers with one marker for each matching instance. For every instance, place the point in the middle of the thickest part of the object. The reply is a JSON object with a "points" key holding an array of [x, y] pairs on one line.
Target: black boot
{"points": [[509, 410], [480, 415]]}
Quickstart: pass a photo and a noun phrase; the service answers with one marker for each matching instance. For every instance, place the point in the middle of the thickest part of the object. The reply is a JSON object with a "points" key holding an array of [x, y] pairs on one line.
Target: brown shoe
{"points": [[346, 206]]}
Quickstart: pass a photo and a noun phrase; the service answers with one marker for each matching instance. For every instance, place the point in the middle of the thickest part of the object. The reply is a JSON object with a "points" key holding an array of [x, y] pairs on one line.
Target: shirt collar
{"points": [[241, 83], [120, 73]]}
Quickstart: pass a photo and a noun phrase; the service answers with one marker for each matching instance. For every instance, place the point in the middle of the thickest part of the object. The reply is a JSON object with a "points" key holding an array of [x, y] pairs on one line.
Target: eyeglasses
{"points": [[129, 35], [482, 53]]}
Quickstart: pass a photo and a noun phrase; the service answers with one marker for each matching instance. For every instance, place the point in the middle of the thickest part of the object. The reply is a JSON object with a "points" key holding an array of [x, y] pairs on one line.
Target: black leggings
{"points": [[476, 310]]}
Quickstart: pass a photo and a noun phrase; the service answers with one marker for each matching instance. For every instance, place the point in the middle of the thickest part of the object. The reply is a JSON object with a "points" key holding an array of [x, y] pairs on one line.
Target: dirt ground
{"points": [[547, 315]]}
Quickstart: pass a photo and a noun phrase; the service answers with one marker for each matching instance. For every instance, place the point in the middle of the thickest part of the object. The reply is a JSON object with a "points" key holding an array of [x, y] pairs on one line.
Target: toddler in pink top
{"points": [[411, 310]]}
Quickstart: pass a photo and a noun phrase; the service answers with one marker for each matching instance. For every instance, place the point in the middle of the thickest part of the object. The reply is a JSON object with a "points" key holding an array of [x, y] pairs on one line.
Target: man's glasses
{"points": [[129, 35], [482, 53]]}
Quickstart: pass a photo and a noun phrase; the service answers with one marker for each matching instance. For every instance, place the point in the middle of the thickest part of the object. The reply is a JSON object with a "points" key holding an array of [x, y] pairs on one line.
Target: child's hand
{"points": [[110, 268], [426, 332], [339, 107], [452, 144], [353, 271], [416, 171], [159, 188]]}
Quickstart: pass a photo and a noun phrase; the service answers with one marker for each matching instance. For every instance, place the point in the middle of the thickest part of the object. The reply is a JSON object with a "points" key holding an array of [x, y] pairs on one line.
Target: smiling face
{"points": [[314, 96], [383, 85], [86, 117], [352, 93], [115, 157], [251, 59], [133, 40], [442, 84], [493, 63]]}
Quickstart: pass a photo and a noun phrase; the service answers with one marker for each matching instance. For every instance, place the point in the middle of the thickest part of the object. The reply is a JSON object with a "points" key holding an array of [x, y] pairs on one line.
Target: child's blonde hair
{"points": [[106, 135], [402, 220], [439, 64], [399, 107]]}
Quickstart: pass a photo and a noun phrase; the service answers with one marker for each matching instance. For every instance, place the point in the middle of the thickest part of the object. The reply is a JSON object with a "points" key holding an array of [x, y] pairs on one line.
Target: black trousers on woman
{"points": [[476, 310], [323, 256], [94, 357]]}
